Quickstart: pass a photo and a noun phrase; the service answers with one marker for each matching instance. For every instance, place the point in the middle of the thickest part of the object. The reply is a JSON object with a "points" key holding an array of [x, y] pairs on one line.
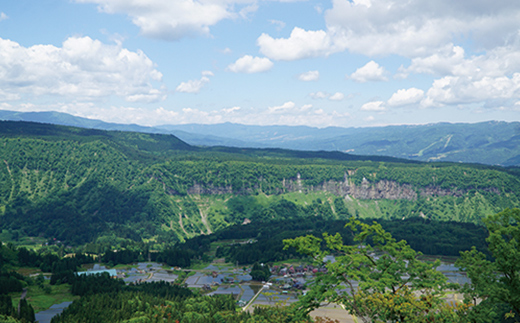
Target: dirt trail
{"points": [[204, 219], [12, 179], [182, 225]]}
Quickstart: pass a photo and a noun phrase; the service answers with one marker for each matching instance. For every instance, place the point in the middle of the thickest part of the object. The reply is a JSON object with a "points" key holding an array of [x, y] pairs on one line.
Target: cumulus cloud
{"points": [[8, 96], [231, 110], [406, 28], [319, 95], [309, 76], [373, 106], [406, 97], [300, 44], [338, 96], [172, 20], [288, 113], [370, 72], [226, 50], [287, 106], [81, 68], [455, 90], [417, 28], [452, 60], [489, 78], [194, 86], [249, 64], [441, 62], [279, 24]]}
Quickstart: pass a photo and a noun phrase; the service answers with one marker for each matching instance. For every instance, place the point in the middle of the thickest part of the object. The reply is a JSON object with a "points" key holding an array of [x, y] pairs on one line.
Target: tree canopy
{"points": [[378, 279], [494, 291]]}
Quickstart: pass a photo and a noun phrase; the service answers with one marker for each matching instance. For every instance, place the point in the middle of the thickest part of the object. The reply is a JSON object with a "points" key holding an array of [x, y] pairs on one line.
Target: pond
{"points": [[47, 315]]}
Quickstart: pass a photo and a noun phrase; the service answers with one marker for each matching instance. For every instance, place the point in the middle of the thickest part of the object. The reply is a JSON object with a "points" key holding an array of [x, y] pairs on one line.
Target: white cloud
{"points": [[373, 106], [172, 20], [441, 62], [226, 50], [300, 44], [489, 79], [250, 64], [319, 95], [417, 28], [370, 72], [455, 90], [288, 113], [192, 86], [8, 96], [246, 11], [406, 97], [279, 24], [338, 96], [3, 16], [406, 28], [231, 110], [82, 68], [309, 76], [282, 108], [452, 60]]}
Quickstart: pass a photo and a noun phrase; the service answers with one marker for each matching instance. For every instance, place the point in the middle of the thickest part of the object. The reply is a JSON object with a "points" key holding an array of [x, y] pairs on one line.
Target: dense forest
{"points": [[491, 142], [80, 186], [160, 302]]}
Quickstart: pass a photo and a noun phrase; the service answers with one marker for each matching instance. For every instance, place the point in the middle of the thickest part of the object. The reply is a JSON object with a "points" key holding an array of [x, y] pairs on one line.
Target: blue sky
{"points": [[318, 63]]}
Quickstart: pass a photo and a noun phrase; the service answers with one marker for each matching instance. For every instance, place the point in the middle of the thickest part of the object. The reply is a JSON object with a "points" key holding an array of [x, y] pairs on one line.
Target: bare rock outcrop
{"points": [[366, 190]]}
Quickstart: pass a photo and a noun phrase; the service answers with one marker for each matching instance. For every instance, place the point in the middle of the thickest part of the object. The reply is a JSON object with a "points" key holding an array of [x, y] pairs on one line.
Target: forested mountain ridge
{"points": [[491, 142], [80, 185]]}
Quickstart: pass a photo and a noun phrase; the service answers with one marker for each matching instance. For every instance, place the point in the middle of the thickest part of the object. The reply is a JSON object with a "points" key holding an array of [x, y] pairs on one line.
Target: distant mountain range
{"points": [[492, 142]]}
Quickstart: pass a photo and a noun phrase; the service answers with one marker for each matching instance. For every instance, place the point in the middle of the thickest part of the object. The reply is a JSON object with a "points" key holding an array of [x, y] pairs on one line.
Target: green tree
{"points": [[26, 311], [260, 272], [377, 280], [495, 285]]}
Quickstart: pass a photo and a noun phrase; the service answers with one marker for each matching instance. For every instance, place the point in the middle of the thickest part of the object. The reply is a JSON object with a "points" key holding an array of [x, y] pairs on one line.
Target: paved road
{"points": [[253, 299], [24, 293]]}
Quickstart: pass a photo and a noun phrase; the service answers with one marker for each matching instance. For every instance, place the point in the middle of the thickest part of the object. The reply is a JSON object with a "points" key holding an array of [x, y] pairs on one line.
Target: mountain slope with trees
{"points": [[82, 185], [491, 142]]}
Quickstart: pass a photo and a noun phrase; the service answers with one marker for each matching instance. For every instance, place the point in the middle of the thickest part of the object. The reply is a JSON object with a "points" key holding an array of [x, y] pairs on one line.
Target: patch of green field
{"points": [[125, 266], [28, 271], [40, 300], [19, 240], [197, 265], [307, 198]]}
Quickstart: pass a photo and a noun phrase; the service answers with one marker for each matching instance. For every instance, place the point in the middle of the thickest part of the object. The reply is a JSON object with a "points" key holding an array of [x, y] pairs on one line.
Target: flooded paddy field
{"points": [[228, 280]]}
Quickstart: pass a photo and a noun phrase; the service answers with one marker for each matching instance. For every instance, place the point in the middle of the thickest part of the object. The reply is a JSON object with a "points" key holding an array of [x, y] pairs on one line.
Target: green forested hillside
{"points": [[491, 142], [80, 185]]}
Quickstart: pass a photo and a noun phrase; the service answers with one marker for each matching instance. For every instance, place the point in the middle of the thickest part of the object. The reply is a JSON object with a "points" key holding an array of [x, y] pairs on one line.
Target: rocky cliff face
{"points": [[373, 191], [198, 189], [366, 190]]}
